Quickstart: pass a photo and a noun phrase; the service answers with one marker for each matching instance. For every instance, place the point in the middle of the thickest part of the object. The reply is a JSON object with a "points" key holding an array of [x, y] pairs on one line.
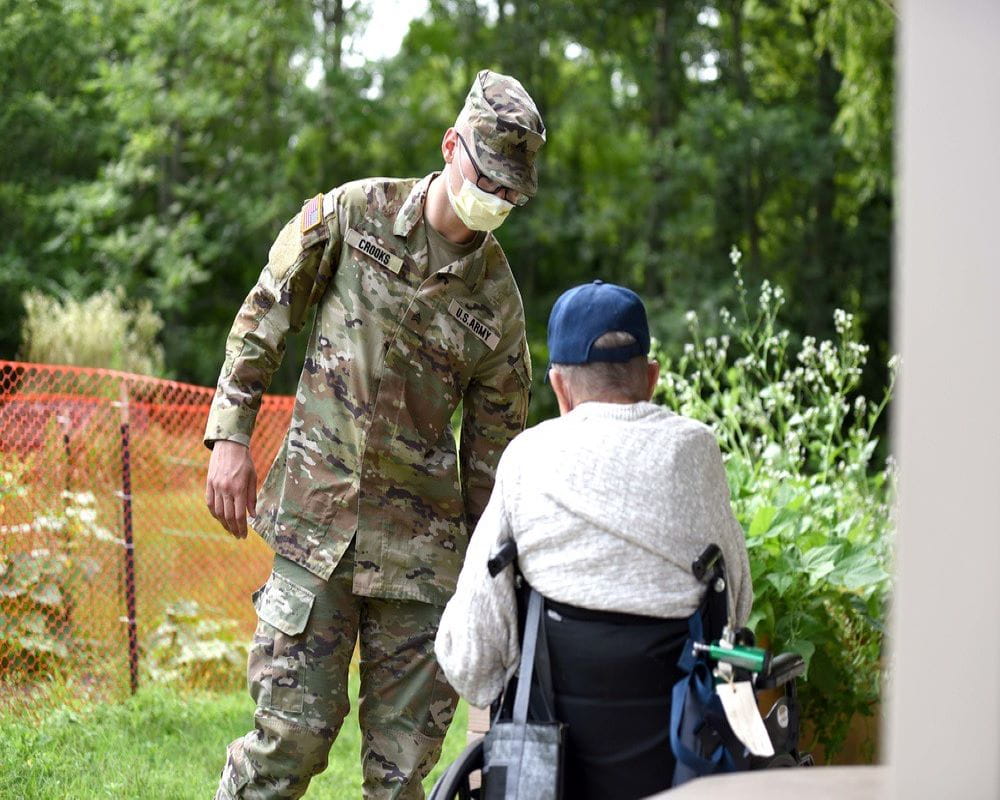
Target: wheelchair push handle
{"points": [[505, 555], [706, 564]]}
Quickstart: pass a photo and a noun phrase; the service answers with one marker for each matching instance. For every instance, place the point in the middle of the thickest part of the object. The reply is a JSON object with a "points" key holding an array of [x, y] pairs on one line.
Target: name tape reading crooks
{"points": [[359, 241], [490, 337]]}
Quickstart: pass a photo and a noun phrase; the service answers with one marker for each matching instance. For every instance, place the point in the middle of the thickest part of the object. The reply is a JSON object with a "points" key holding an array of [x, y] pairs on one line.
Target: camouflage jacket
{"points": [[393, 352]]}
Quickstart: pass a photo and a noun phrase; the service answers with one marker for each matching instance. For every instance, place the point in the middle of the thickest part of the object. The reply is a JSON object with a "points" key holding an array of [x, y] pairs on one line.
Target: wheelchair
{"points": [[730, 653]]}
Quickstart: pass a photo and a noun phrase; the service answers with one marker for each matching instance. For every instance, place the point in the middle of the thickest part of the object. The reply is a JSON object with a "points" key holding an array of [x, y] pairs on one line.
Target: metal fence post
{"points": [[126, 493], [64, 421]]}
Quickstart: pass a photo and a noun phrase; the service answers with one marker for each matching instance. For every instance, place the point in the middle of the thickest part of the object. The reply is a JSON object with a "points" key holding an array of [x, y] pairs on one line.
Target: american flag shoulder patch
{"points": [[312, 213]]}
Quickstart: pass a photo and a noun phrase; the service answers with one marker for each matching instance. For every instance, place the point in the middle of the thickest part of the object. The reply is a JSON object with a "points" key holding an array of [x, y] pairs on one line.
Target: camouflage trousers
{"points": [[297, 675]]}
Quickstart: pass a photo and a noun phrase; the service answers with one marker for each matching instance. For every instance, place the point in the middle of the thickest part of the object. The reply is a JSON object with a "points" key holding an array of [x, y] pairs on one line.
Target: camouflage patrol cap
{"points": [[506, 128]]}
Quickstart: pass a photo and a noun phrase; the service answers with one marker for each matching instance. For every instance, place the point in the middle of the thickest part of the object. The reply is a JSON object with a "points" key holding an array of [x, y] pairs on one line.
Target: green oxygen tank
{"points": [[754, 659]]}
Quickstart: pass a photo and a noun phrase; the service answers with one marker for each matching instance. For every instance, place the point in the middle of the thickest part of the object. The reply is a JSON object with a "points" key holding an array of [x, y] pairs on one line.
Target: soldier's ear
{"points": [[448, 143]]}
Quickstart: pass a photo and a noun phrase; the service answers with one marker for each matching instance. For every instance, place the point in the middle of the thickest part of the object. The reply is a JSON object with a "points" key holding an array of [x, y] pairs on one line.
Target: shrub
{"points": [[99, 331], [12, 472], [37, 631], [799, 443], [196, 650]]}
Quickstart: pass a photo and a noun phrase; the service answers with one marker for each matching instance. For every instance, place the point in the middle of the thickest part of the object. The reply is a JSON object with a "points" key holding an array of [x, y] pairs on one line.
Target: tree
{"points": [[171, 141], [200, 101], [52, 134]]}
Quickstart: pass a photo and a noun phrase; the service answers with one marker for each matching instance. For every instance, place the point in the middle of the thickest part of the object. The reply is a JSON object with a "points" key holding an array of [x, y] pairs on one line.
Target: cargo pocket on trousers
{"points": [[285, 606]]}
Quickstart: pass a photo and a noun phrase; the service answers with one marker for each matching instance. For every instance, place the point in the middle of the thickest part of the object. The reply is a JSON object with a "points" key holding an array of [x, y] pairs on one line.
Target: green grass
{"points": [[162, 745]]}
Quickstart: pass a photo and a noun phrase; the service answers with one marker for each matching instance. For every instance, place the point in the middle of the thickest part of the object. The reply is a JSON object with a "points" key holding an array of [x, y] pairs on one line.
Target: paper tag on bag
{"points": [[744, 718]]}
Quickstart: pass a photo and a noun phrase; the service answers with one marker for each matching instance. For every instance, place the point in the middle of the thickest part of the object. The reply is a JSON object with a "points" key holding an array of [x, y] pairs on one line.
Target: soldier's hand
{"points": [[231, 489]]}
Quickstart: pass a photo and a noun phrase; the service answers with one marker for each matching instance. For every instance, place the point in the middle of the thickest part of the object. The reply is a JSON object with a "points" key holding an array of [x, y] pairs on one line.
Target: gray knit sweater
{"points": [[609, 506]]}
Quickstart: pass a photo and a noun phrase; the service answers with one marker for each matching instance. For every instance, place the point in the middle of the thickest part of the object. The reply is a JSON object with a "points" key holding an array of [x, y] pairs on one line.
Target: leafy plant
{"points": [[35, 610], [12, 470], [36, 586], [192, 649], [799, 448]]}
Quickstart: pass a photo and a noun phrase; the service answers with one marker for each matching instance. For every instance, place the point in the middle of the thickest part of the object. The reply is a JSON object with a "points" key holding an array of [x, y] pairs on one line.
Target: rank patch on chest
{"points": [[490, 337], [312, 213], [372, 249]]}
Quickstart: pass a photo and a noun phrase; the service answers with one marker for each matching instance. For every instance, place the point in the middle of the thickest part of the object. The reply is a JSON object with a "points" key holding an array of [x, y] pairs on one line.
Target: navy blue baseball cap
{"points": [[585, 313]]}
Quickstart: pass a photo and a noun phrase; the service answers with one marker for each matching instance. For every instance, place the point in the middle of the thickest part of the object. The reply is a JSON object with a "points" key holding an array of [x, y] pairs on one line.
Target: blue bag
{"points": [[700, 735]]}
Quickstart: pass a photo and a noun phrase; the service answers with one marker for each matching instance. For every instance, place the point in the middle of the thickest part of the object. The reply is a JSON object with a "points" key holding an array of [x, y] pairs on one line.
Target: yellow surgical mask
{"points": [[478, 210]]}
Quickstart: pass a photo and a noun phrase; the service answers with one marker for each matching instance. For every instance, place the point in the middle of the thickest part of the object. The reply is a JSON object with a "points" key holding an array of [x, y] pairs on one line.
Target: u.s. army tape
{"points": [[490, 337]]}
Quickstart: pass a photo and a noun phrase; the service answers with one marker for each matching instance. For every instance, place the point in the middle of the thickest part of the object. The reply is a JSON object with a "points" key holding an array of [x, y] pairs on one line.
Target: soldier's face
{"points": [[463, 163]]}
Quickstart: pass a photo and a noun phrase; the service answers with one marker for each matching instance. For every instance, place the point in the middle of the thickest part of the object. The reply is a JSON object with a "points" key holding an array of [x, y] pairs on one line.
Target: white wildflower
{"points": [[24, 527], [46, 523], [765, 293], [104, 535], [80, 498], [843, 321]]}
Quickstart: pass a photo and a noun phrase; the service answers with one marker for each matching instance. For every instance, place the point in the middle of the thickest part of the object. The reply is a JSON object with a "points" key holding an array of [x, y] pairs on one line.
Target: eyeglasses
{"points": [[485, 183]]}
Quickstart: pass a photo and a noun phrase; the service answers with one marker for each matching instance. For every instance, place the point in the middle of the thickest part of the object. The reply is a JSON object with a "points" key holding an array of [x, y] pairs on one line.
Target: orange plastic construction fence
{"points": [[112, 571]]}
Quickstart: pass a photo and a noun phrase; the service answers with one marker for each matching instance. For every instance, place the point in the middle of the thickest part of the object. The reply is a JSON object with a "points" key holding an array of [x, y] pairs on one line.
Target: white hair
{"points": [[608, 380]]}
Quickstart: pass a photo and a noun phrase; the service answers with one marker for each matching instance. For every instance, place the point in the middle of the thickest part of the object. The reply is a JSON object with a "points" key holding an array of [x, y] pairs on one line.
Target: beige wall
{"points": [[944, 695]]}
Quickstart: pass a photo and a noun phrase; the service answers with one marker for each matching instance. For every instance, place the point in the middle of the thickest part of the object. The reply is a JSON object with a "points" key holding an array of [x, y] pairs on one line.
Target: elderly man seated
{"points": [[609, 504]]}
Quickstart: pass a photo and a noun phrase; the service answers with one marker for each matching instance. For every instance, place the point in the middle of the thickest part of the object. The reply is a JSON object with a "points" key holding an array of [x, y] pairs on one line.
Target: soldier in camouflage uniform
{"points": [[368, 506]]}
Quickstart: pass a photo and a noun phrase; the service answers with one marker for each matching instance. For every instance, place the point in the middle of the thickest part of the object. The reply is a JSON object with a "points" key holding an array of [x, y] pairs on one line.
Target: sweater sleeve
{"points": [[731, 537], [477, 644]]}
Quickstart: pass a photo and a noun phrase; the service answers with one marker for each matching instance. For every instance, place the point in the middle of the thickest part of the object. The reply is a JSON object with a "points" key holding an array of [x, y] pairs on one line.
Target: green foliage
{"points": [[97, 332], [171, 140], [53, 133], [34, 611], [37, 631], [799, 447], [192, 649], [12, 471], [858, 36]]}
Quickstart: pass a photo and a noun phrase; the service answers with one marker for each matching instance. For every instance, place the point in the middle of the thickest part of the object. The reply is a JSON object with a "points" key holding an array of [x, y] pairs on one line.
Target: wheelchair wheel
{"points": [[454, 783]]}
